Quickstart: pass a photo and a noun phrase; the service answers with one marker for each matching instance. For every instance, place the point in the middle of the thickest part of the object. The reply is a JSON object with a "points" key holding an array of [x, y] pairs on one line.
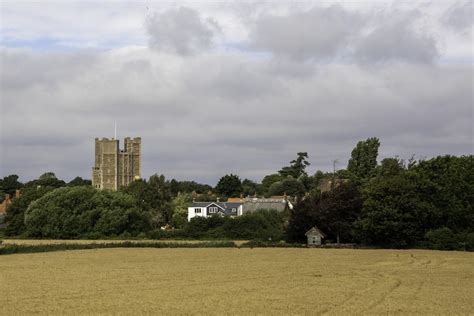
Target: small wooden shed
{"points": [[315, 236]]}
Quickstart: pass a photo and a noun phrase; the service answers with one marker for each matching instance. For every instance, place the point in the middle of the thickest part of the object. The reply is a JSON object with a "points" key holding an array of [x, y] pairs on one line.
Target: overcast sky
{"points": [[232, 87]]}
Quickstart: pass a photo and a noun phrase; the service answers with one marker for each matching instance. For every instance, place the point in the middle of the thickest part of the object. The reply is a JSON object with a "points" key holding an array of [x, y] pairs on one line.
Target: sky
{"points": [[239, 87]]}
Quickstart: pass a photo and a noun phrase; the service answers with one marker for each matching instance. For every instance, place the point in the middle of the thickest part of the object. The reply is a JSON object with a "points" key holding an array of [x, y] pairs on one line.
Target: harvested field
{"points": [[237, 281]]}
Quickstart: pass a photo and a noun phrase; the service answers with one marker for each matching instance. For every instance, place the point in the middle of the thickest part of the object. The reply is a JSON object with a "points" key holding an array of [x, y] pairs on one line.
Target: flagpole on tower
{"points": [[115, 133]]}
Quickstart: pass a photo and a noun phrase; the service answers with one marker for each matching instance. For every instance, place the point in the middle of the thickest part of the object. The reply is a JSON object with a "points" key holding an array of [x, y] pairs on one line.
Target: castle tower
{"points": [[113, 167]]}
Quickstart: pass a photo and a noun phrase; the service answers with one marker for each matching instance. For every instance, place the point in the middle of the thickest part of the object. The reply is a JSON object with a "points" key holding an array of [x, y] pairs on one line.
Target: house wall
{"points": [[192, 212], [314, 240]]}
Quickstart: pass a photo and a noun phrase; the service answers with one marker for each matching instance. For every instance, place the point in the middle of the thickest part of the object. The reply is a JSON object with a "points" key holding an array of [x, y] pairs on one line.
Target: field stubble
{"points": [[236, 281]]}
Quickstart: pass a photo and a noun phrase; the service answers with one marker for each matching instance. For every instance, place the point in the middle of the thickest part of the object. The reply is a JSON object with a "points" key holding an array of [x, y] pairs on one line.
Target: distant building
{"points": [[328, 184], [206, 209], [115, 168], [314, 236], [7, 201], [277, 203]]}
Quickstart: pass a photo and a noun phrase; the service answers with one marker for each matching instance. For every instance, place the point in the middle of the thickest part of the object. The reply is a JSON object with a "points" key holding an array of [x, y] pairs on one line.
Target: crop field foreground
{"points": [[237, 281]]}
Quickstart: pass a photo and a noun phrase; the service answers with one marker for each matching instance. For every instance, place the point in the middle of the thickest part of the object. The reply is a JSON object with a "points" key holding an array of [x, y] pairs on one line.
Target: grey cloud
{"points": [[181, 31], [202, 117], [396, 40], [315, 34], [459, 15]]}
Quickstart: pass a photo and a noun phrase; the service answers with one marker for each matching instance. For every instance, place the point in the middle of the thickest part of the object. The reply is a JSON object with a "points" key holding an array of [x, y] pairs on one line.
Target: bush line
{"points": [[13, 248]]}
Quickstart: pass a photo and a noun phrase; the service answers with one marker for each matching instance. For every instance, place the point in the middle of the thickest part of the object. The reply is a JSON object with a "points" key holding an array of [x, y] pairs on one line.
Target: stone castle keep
{"points": [[115, 168]]}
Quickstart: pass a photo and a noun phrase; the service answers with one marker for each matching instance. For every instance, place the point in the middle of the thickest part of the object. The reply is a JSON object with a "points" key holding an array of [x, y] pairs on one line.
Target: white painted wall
{"points": [[192, 212]]}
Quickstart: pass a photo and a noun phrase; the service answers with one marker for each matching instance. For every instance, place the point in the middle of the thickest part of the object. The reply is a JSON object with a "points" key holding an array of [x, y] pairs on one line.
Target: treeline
{"points": [[394, 203]]}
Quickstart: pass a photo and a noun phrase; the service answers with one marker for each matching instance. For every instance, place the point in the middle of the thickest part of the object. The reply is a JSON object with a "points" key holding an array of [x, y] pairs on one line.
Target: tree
{"points": [[180, 209], [302, 218], [397, 210], [287, 186], [250, 187], [15, 217], [334, 212], [9, 185], [78, 181], [154, 196], [364, 158], [78, 212], [268, 180], [188, 187], [338, 210], [297, 167], [229, 186], [47, 179]]}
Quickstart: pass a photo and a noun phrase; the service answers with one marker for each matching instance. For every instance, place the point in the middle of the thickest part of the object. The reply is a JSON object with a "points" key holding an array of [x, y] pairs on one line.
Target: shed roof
{"points": [[315, 231]]}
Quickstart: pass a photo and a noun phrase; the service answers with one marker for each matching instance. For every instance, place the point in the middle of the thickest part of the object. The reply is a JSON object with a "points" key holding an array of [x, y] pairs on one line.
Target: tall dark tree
{"points": [[229, 186], [364, 158], [302, 218], [338, 210], [297, 167]]}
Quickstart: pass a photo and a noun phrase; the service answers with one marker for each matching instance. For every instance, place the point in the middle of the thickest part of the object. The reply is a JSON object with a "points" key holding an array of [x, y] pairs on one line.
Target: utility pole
{"points": [[333, 183]]}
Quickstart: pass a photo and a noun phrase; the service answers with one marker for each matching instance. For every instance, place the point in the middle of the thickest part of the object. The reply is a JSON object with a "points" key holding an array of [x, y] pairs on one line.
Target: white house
{"points": [[206, 209]]}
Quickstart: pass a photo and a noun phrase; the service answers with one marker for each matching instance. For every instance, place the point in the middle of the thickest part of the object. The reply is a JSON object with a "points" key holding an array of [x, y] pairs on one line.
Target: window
{"points": [[234, 210], [197, 210], [212, 210]]}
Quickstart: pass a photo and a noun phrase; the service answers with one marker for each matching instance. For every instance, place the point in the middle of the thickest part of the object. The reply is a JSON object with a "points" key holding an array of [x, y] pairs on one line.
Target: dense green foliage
{"points": [[333, 212], [401, 206], [16, 210], [364, 158], [262, 224], [229, 186], [8, 185], [77, 212], [289, 186]]}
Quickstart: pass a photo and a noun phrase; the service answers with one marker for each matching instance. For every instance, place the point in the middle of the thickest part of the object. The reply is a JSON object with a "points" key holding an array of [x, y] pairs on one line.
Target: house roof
{"points": [[224, 207], [315, 231]]}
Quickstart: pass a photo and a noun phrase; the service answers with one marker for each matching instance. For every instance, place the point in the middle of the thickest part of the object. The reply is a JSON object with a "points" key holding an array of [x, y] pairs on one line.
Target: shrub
{"points": [[442, 239]]}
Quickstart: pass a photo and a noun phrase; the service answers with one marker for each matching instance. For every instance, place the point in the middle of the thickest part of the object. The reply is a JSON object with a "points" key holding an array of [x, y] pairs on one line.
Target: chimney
{"points": [[218, 199]]}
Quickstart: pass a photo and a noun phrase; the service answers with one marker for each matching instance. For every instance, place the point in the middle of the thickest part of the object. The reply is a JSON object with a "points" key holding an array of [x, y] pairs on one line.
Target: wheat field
{"points": [[237, 281]]}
